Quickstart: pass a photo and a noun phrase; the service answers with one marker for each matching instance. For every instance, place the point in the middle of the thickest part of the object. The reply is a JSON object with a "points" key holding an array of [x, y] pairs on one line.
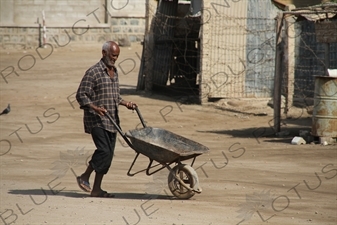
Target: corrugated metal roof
{"points": [[298, 3]]}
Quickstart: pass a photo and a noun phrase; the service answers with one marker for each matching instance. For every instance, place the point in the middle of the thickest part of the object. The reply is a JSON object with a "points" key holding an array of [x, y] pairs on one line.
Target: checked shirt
{"points": [[98, 88]]}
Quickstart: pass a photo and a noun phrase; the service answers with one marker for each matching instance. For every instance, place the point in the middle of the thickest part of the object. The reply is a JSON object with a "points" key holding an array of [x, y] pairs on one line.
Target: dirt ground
{"points": [[249, 176]]}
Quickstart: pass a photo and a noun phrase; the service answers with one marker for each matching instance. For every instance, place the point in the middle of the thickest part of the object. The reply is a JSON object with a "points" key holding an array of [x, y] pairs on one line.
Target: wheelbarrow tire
{"points": [[188, 175]]}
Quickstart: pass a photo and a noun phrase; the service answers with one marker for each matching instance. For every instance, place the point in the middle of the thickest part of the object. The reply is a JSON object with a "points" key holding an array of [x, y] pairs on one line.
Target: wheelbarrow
{"points": [[164, 148]]}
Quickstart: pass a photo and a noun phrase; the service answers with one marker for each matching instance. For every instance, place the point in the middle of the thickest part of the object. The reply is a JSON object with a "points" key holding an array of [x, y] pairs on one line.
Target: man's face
{"points": [[110, 57]]}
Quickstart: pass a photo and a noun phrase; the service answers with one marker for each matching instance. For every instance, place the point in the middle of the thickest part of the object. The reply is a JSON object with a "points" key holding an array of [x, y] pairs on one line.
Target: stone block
{"points": [[114, 21], [123, 22], [94, 30], [116, 30], [107, 30], [6, 38], [141, 30], [134, 22], [33, 30]]}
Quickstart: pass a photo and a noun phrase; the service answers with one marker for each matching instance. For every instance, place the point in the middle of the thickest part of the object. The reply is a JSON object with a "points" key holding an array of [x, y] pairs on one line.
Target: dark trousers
{"points": [[105, 142]]}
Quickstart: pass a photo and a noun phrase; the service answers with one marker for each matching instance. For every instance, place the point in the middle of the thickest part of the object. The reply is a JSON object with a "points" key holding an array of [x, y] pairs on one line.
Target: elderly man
{"points": [[97, 94]]}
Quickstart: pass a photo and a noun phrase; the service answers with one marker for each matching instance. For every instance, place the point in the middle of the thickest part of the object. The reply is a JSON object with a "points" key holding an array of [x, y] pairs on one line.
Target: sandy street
{"points": [[249, 176]]}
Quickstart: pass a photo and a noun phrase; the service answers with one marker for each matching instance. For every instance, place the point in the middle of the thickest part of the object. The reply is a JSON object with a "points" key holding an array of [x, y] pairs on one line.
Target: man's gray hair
{"points": [[106, 46]]}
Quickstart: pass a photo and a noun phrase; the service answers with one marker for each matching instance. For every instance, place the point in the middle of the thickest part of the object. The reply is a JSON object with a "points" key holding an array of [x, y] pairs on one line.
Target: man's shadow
{"points": [[75, 194]]}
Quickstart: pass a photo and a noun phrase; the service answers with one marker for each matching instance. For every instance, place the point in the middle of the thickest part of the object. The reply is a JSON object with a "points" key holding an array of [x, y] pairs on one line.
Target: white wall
{"points": [[127, 8], [66, 13]]}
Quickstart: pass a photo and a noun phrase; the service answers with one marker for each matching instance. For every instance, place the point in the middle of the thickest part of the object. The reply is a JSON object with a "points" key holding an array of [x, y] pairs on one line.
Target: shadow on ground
{"points": [[75, 194], [165, 94], [289, 130]]}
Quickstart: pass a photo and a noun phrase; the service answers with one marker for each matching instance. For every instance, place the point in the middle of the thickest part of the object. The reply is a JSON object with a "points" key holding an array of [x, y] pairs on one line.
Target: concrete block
{"points": [[107, 30], [33, 31], [116, 29], [134, 22], [298, 141], [6, 38], [123, 22], [94, 31], [141, 30], [16, 38], [124, 29], [114, 21]]}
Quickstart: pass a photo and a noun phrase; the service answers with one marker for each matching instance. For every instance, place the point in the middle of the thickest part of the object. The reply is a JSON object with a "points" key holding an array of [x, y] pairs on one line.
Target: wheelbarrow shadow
{"points": [[76, 194], [141, 196]]}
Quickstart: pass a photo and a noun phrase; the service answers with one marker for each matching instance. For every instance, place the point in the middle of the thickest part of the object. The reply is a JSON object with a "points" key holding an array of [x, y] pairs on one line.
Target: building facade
{"points": [[33, 23]]}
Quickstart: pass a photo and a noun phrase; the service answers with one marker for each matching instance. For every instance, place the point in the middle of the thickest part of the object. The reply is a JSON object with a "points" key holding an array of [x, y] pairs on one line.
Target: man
{"points": [[97, 94]]}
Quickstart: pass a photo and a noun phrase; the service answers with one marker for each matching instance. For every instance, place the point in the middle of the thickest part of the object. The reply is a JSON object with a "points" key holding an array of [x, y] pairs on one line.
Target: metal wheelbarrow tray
{"points": [[165, 148]]}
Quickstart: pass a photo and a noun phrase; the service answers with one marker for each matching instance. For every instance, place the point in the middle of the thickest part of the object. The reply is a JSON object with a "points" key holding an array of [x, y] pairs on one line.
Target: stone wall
{"points": [[67, 21]]}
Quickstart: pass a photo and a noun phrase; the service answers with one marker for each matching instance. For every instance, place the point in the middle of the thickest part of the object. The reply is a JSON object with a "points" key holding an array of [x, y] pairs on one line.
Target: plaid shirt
{"points": [[99, 89]]}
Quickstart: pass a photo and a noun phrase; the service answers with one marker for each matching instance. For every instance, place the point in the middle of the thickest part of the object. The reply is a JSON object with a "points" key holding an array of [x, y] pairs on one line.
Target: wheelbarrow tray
{"points": [[164, 146]]}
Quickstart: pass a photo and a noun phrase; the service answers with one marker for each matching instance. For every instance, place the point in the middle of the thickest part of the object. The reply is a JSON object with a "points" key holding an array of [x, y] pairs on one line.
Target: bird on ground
{"points": [[6, 110]]}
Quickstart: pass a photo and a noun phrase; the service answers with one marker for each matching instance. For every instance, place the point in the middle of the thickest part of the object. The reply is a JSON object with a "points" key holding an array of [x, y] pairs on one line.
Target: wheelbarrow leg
{"points": [[133, 163], [150, 167], [147, 169]]}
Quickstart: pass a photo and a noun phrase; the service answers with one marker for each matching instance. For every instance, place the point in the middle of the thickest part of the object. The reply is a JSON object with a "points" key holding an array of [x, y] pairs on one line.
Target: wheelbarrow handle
{"points": [[119, 129], [114, 123], [140, 116]]}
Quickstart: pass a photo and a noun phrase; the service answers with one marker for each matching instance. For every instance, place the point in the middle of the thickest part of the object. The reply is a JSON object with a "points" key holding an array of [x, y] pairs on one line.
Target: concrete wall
{"points": [[80, 21]]}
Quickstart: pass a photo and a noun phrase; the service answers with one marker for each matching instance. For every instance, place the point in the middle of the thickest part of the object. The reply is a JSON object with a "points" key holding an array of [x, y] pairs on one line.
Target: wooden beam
{"points": [[289, 62], [309, 12], [278, 73]]}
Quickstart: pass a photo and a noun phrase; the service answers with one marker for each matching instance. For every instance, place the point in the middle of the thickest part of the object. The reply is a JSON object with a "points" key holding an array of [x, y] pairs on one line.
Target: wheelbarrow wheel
{"points": [[187, 175]]}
